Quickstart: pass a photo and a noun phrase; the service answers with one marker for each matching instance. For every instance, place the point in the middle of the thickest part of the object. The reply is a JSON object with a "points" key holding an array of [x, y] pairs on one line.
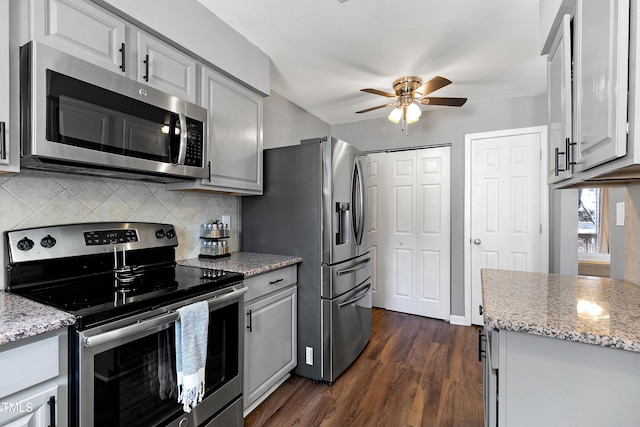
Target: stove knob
{"points": [[160, 233], [25, 244], [171, 233], [48, 241]]}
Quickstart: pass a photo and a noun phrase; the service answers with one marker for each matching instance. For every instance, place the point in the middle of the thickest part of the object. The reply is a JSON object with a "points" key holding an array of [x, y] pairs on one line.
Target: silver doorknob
{"points": [[477, 242]]}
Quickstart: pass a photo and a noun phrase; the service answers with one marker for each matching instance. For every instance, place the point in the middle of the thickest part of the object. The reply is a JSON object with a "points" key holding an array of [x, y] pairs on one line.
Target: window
{"points": [[593, 220]]}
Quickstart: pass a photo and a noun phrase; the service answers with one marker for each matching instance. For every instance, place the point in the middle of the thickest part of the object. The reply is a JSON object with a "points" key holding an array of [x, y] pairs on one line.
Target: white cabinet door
{"points": [[269, 343], [601, 68], [4, 85], [33, 411], [559, 109], [81, 29], [165, 68], [235, 135]]}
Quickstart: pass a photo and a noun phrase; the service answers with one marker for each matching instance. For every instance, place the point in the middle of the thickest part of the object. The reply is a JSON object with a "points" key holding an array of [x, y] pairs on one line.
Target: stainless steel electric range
{"points": [[121, 281]]}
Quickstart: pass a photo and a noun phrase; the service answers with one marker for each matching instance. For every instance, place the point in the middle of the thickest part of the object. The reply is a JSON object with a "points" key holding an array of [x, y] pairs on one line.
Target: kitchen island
{"points": [[560, 350]]}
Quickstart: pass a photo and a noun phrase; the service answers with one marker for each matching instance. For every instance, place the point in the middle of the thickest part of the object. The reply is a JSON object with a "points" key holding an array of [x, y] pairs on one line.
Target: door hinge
{"points": [[480, 309]]}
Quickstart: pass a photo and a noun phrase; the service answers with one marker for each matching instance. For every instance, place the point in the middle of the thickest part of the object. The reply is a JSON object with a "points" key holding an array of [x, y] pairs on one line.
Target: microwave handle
{"points": [[182, 148]]}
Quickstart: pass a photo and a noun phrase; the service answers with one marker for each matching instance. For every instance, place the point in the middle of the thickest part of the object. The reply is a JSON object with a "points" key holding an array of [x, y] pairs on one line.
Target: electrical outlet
{"points": [[309, 356]]}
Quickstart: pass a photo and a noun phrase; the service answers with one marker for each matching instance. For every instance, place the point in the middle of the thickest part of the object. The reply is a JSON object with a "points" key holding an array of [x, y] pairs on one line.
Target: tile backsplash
{"points": [[34, 198]]}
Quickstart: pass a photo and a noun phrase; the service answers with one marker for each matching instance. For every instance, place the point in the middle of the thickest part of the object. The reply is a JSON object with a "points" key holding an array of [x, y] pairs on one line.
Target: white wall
{"points": [[448, 126]]}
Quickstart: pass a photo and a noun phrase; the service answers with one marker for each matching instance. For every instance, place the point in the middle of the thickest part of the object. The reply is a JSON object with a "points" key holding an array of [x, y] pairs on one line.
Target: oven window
{"points": [[134, 383], [87, 116]]}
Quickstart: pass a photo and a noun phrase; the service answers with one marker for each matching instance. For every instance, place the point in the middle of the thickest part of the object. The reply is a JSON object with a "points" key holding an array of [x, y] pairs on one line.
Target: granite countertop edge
{"points": [[620, 336], [609, 341], [248, 263], [22, 318]]}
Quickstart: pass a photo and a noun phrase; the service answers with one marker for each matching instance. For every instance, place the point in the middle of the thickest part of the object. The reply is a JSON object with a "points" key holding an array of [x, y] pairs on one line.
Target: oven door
{"points": [[127, 373]]}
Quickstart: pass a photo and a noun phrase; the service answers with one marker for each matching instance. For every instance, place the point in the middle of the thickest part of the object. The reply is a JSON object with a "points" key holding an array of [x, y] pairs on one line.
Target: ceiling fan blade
{"points": [[379, 92], [432, 85], [374, 108], [451, 102]]}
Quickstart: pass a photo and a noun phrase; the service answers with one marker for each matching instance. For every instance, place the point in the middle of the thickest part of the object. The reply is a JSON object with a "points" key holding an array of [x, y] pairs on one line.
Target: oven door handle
{"points": [[163, 319]]}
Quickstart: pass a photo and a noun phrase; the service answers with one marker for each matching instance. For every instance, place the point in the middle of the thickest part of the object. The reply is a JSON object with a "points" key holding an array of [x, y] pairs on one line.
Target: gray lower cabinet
{"points": [[531, 380], [33, 389], [270, 334]]}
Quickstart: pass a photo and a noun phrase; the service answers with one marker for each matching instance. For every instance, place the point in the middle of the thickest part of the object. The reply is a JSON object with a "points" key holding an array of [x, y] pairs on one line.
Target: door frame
{"points": [[544, 203]]}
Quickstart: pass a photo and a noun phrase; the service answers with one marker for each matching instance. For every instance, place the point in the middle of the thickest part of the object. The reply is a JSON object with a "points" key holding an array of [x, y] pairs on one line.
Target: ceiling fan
{"points": [[409, 92]]}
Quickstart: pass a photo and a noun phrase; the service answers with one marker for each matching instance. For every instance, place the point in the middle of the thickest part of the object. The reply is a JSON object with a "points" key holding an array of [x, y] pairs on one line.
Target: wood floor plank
{"points": [[415, 371]]}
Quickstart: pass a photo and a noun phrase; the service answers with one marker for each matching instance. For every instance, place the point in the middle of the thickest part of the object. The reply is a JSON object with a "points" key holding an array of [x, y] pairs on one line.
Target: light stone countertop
{"points": [[590, 310], [248, 263], [22, 318]]}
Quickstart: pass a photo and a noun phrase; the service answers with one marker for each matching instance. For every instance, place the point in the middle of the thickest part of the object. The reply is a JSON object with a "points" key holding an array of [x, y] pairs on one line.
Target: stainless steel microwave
{"points": [[80, 118]]}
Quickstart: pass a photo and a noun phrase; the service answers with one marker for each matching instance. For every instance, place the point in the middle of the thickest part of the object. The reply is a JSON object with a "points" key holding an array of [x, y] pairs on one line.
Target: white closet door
{"points": [[410, 206], [434, 232]]}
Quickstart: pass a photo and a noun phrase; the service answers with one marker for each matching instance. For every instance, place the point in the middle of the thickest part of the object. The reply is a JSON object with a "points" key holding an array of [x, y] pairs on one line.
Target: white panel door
{"points": [[398, 215], [410, 205], [505, 217], [434, 232], [375, 181]]}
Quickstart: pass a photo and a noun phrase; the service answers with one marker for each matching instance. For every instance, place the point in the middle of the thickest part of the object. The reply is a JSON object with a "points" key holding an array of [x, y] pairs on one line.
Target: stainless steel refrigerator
{"points": [[315, 206]]}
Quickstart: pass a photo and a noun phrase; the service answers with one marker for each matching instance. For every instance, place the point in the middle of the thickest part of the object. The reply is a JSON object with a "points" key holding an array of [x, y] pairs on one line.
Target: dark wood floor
{"points": [[415, 371]]}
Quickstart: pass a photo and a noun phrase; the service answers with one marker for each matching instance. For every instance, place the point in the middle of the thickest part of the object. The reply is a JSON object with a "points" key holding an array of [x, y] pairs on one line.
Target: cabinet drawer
{"points": [[266, 283], [27, 365]]}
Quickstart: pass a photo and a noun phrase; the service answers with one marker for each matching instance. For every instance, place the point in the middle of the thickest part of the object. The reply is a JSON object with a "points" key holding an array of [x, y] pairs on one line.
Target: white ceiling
{"points": [[323, 51]]}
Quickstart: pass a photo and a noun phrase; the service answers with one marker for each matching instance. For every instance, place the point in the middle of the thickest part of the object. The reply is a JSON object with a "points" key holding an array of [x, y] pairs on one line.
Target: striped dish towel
{"points": [[192, 328]]}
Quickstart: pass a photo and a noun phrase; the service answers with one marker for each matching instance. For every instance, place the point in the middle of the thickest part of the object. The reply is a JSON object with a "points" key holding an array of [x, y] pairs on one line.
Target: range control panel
{"points": [[62, 241], [110, 237]]}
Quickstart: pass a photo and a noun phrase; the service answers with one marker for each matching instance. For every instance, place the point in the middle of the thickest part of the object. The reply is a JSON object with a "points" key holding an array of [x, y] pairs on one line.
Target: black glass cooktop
{"points": [[101, 297]]}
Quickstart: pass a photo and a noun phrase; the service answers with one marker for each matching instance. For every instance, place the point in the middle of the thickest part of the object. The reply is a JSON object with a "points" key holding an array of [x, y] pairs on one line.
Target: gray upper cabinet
{"points": [[165, 68], [601, 67], [235, 137], [602, 79], [559, 100], [97, 36], [82, 29], [9, 111]]}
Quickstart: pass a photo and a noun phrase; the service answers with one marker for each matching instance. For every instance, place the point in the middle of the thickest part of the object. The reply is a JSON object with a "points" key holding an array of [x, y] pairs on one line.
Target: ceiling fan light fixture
{"points": [[395, 115], [413, 113]]}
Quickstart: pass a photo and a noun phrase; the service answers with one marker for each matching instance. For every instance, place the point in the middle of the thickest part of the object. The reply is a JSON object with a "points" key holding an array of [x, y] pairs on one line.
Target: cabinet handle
{"points": [[3, 140], [209, 171], [275, 281], [557, 166], [482, 338], [569, 153], [123, 55], [52, 411], [249, 322], [146, 68]]}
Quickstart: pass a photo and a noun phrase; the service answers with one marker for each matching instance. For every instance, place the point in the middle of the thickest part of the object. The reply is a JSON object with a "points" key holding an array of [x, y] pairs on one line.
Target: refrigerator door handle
{"points": [[357, 199], [357, 298], [358, 266]]}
